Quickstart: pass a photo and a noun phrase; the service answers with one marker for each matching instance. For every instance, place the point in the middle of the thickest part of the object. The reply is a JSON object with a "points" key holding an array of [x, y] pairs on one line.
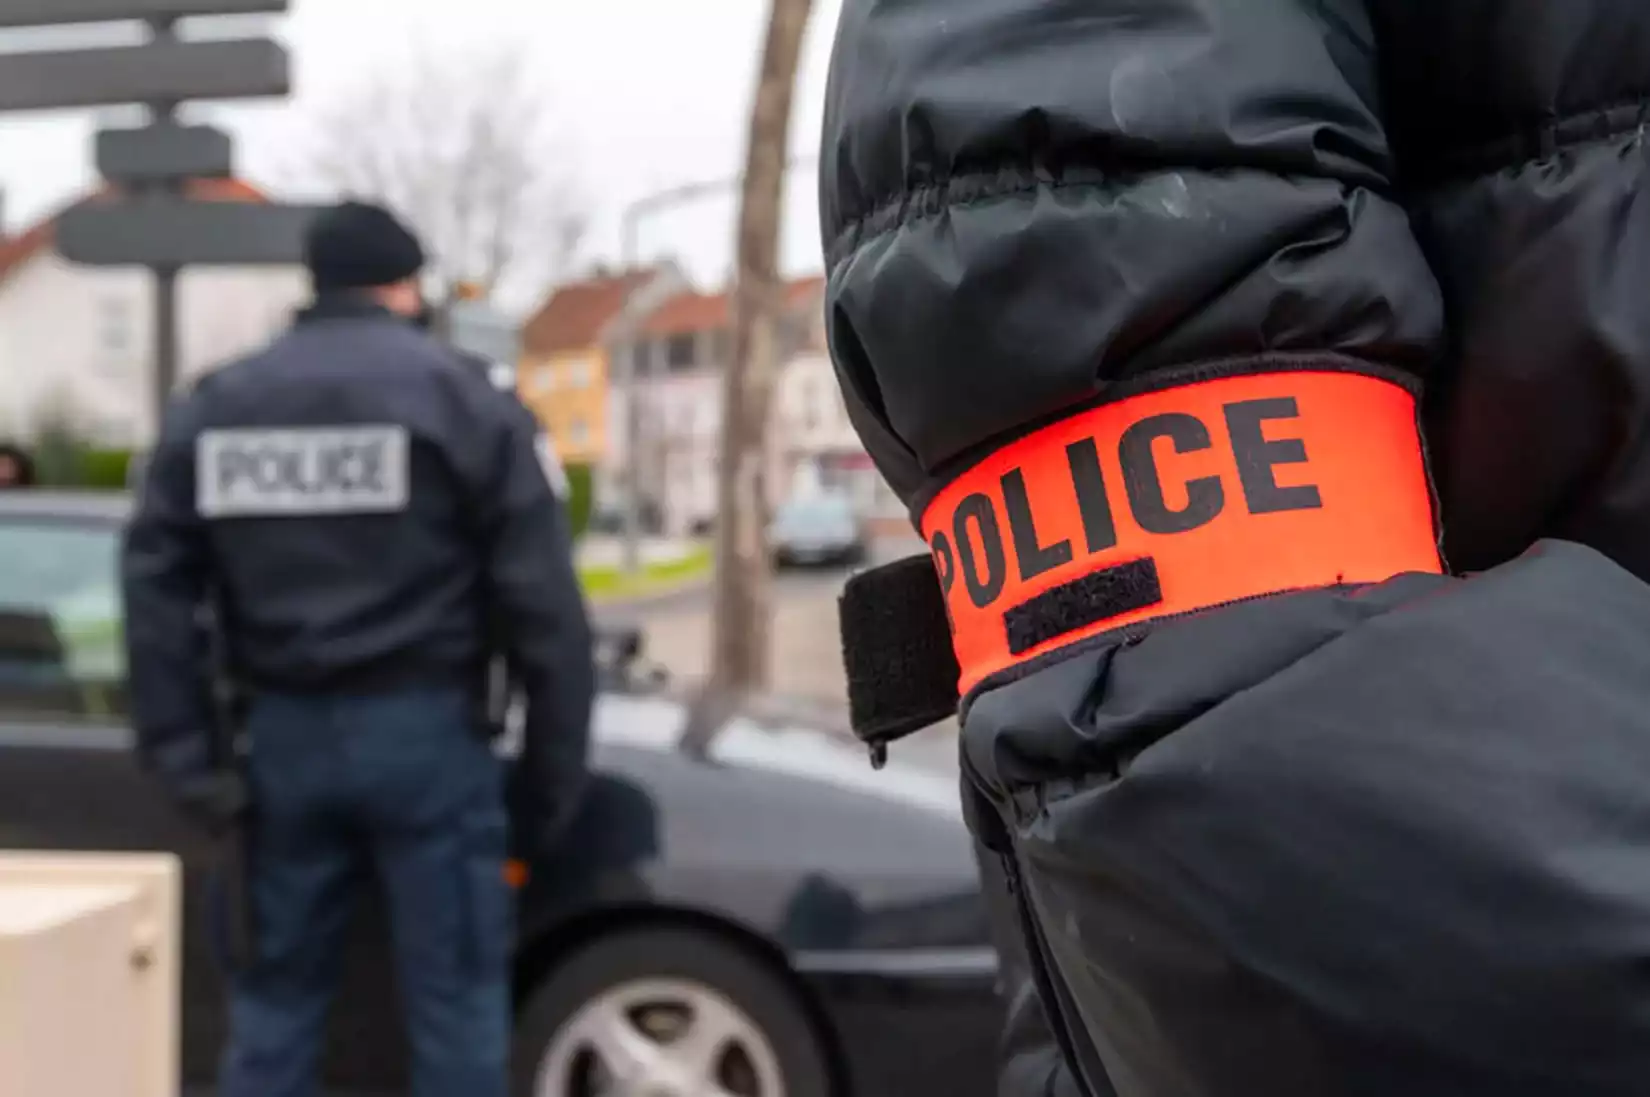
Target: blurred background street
{"points": [[754, 912], [807, 645]]}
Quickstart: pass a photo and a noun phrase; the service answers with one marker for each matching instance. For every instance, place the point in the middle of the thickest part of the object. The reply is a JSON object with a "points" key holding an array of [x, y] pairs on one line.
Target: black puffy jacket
{"points": [[1129, 300]]}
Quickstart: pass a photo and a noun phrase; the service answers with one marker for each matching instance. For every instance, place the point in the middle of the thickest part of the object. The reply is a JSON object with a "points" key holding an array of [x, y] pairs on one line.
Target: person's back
{"points": [[370, 528], [399, 600], [1134, 304]]}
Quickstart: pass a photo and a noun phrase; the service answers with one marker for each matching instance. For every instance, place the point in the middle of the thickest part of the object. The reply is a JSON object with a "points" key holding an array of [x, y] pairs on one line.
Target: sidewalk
{"points": [[807, 650], [600, 550]]}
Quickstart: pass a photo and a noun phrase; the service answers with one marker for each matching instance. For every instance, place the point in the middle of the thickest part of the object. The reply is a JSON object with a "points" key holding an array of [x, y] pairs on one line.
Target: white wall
{"points": [[810, 415], [682, 422], [79, 338], [686, 415]]}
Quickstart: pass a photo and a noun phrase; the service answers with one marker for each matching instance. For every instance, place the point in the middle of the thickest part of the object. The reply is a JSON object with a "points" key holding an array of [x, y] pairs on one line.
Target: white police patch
{"points": [[301, 471], [551, 464]]}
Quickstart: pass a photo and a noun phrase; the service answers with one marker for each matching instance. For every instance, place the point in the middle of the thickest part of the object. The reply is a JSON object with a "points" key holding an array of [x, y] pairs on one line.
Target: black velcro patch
{"points": [[896, 648], [1097, 596]]}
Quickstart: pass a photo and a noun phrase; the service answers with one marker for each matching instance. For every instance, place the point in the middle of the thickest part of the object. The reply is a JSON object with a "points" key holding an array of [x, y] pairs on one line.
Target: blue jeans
{"points": [[405, 786]]}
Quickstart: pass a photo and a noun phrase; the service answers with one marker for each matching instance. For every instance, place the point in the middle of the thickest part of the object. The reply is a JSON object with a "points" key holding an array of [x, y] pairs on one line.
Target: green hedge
{"points": [[63, 461], [104, 468], [581, 498]]}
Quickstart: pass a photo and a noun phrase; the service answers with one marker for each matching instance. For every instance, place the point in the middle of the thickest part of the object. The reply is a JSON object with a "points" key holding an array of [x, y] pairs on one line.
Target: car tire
{"points": [[603, 970]]}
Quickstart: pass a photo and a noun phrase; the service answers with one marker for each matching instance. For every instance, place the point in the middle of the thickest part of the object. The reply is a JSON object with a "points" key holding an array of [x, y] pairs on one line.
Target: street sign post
{"points": [[161, 154], [57, 13], [151, 223], [162, 71], [166, 231]]}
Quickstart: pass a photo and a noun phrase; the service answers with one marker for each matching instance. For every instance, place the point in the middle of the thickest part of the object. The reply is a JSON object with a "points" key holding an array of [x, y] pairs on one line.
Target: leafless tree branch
{"points": [[462, 145]]}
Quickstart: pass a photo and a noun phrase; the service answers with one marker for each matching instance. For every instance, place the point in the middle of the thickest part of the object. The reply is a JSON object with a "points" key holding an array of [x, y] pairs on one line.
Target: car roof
{"points": [[824, 500], [93, 506]]}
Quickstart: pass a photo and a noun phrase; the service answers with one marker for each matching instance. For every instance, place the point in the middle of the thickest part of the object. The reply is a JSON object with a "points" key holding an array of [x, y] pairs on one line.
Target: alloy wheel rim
{"points": [[659, 1038]]}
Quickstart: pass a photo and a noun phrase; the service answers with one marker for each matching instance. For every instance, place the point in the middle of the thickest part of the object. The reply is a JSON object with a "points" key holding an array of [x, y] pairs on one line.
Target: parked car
{"points": [[818, 529], [800, 924]]}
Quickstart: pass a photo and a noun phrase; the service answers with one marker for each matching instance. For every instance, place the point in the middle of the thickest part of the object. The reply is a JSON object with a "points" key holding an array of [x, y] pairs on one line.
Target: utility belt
{"points": [[1184, 493], [488, 683]]}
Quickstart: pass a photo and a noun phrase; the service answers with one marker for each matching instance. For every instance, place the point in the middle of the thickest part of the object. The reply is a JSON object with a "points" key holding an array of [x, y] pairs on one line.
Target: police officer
{"points": [[368, 523]]}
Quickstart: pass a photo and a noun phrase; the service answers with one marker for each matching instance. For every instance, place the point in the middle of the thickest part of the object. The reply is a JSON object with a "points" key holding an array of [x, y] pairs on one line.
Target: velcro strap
{"points": [[1155, 505], [896, 650]]}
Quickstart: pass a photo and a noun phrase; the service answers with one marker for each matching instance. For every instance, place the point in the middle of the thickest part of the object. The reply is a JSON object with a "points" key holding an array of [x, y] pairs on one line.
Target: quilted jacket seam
{"points": [[961, 191], [1540, 141]]}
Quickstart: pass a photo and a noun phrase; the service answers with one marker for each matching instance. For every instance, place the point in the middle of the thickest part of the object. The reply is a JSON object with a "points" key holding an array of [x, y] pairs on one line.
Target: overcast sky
{"points": [[650, 93]]}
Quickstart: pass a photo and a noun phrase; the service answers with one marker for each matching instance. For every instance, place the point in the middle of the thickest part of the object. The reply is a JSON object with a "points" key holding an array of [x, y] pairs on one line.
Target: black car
{"points": [[777, 921]]}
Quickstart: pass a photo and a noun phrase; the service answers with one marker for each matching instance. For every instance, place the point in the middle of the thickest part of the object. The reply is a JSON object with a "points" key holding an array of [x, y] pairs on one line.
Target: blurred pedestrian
{"points": [[16, 468], [369, 525]]}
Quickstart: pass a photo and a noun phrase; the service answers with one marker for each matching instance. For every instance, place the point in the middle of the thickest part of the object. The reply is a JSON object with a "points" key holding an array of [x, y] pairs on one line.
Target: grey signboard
{"points": [[162, 71], [481, 329], [172, 232], [163, 153], [52, 13]]}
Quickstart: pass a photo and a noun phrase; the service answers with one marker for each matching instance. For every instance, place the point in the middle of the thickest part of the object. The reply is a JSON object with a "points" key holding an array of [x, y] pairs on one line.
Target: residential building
{"points": [[682, 351], [819, 448], [567, 346], [76, 343]]}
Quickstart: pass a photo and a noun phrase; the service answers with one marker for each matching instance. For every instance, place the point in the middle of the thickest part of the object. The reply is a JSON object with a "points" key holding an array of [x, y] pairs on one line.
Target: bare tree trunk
{"points": [[743, 598]]}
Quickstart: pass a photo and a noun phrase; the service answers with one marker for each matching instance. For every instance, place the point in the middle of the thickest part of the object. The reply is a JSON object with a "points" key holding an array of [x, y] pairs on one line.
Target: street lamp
{"points": [[629, 371]]}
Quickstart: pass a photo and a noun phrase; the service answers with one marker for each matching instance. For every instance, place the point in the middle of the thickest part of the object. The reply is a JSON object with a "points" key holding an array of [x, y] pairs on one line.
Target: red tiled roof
{"points": [[575, 315], [695, 312], [18, 250]]}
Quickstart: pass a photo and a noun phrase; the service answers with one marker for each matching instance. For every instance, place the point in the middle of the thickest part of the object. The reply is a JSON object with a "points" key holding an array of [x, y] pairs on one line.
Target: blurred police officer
{"points": [[369, 523]]}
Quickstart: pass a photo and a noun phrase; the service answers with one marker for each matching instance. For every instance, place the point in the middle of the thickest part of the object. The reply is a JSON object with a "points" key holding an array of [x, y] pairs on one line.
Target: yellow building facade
{"points": [[567, 392]]}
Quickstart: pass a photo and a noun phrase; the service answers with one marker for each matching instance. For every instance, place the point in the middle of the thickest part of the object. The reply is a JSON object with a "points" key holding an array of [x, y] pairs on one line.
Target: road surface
{"points": [[807, 662]]}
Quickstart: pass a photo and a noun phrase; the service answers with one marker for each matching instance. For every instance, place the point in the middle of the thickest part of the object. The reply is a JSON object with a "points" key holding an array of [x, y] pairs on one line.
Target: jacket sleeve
{"points": [[1031, 1060], [1031, 1063], [541, 615], [165, 580], [1023, 201], [1521, 155]]}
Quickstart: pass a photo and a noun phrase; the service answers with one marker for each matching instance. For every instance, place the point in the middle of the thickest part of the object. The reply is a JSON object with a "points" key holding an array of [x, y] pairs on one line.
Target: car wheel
{"points": [[673, 1013]]}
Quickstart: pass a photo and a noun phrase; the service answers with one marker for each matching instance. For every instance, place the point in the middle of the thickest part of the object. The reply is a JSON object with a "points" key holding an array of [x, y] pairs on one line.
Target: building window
{"points": [[721, 347], [114, 324], [578, 432], [578, 375], [681, 352], [540, 381]]}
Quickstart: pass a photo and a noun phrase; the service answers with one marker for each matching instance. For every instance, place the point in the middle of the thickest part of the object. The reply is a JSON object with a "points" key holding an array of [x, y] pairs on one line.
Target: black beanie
{"points": [[357, 246]]}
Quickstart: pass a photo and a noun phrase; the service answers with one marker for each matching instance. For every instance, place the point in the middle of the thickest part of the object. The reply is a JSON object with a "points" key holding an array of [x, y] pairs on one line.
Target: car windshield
{"points": [[60, 598], [822, 512], [51, 563]]}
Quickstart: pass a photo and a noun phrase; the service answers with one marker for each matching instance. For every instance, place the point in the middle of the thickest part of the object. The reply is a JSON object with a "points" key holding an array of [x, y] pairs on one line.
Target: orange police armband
{"points": [[1179, 500]]}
